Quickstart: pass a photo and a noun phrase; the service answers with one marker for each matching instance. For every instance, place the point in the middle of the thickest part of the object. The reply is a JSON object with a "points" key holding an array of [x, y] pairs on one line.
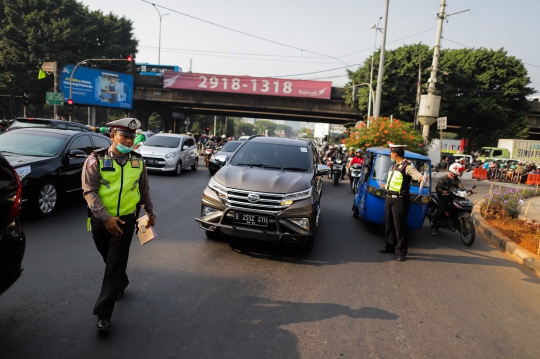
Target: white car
{"points": [[169, 152]]}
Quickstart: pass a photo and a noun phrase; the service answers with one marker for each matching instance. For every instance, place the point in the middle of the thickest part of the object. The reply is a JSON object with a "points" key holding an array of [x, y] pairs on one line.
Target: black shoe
{"points": [[120, 294], [401, 258], [386, 250], [103, 324]]}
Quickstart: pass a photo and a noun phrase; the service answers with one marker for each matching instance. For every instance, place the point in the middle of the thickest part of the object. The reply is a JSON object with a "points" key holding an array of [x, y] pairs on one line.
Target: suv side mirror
{"points": [[322, 169], [77, 153], [221, 159], [185, 148]]}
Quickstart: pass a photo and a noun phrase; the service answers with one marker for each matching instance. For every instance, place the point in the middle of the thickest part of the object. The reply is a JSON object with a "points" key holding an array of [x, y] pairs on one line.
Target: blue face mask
{"points": [[123, 149]]}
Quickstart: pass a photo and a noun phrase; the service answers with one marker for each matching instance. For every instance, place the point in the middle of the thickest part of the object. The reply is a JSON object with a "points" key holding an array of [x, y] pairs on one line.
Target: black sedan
{"points": [[219, 159], [49, 163], [12, 238]]}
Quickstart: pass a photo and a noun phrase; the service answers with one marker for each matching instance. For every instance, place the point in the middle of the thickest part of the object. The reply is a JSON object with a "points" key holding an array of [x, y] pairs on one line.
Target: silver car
{"points": [[168, 152]]}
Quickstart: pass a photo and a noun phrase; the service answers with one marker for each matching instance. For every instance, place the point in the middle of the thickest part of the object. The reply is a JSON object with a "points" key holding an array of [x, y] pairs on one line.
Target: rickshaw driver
{"points": [[397, 204]]}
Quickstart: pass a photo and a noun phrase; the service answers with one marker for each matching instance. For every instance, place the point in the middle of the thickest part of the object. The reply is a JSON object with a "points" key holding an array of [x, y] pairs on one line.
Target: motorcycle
{"points": [[462, 221], [208, 152], [354, 174], [329, 163], [337, 169]]}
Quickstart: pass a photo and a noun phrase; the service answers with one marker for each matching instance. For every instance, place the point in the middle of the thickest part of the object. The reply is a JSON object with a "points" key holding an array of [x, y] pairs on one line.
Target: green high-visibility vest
{"points": [[397, 180], [119, 189]]}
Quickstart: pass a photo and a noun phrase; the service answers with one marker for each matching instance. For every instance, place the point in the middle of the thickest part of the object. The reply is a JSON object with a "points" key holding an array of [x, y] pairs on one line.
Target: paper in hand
{"points": [[145, 234], [424, 180]]}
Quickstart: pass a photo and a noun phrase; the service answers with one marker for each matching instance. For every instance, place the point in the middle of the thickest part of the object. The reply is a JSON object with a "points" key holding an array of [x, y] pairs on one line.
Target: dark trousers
{"points": [[444, 201], [115, 253], [395, 214]]}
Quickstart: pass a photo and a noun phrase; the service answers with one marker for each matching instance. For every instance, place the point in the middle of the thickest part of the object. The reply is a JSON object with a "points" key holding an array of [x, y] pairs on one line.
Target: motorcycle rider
{"points": [[223, 141], [210, 143], [339, 155], [444, 186], [356, 160]]}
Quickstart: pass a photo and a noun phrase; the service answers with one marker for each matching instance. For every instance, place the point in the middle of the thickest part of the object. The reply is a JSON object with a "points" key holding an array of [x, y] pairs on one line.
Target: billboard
{"points": [[247, 85], [96, 87], [147, 69]]}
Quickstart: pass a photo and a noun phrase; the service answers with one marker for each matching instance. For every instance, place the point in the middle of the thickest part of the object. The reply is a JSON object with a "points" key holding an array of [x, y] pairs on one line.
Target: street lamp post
{"points": [[159, 46], [377, 28], [377, 107]]}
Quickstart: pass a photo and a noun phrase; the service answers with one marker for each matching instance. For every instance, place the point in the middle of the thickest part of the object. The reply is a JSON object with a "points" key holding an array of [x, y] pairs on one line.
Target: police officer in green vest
{"points": [[397, 202], [115, 185]]}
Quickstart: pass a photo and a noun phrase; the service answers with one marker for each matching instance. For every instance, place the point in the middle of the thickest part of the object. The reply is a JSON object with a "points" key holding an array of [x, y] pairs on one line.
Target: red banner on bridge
{"points": [[247, 85]]}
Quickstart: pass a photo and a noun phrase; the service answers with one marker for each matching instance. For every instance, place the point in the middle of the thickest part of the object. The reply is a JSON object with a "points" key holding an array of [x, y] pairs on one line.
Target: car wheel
{"points": [[195, 164], [212, 172], [178, 168], [46, 199]]}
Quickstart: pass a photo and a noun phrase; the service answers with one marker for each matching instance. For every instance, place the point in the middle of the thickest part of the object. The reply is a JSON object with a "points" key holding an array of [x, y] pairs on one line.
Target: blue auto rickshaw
{"points": [[370, 199]]}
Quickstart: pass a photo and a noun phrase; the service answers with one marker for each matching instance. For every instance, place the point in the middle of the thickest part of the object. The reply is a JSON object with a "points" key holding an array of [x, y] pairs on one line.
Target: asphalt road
{"points": [[190, 297]]}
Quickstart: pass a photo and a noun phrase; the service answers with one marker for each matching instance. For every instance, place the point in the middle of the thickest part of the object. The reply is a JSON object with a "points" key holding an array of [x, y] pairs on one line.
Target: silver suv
{"points": [[170, 152]]}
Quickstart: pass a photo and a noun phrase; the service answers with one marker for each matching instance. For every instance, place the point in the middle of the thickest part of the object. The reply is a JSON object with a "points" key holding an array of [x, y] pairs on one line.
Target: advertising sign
{"points": [[97, 87], [147, 69], [247, 85]]}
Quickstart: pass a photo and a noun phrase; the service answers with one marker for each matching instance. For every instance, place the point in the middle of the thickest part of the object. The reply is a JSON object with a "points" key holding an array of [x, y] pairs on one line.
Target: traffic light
{"points": [[70, 101], [70, 108], [207, 130], [129, 58], [25, 100]]}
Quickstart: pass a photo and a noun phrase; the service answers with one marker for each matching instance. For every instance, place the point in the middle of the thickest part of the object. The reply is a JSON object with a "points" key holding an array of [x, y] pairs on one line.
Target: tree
{"points": [[483, 91], [384, 131], [265, 127], [33, 32], [286, 130], [245, 129], [305, 133]]}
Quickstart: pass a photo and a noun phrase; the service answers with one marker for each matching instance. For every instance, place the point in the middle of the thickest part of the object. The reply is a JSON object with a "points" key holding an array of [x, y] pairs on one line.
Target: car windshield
{"points": [[163, 141], [485, 152], [231, 146], [383, 164], [32, 144], [21, 124], [271, 155]]}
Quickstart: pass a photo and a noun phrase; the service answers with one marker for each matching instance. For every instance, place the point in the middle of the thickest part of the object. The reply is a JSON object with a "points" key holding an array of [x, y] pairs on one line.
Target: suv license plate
{"points": [[151, 162], [251, 219]]}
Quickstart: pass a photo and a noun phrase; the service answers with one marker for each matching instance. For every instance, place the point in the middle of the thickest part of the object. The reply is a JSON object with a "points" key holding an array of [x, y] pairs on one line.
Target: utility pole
{"points": [[418, 93], [376, 27], [377, 107], [215, 117]]}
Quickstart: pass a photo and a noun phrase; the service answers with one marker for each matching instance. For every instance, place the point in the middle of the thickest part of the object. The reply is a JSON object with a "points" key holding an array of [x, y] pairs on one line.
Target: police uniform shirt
{"points": [[409, 171], [91, 182]]}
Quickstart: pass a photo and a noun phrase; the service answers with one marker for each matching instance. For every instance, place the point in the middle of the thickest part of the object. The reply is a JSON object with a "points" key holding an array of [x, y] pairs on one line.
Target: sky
{"points": [[317, 39]]}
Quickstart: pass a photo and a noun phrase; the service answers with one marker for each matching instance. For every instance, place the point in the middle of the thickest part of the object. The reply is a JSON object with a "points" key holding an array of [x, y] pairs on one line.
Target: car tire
{"points": [[195, 164], [178, 168], [46, 198], [212, 172]]}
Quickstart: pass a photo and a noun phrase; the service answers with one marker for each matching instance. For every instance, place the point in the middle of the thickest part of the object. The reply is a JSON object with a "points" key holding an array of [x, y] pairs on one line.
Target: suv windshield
{"points": [[32, 144], [272, 155], [26, 123], [383, 164], [231, 146], [163, 141]]}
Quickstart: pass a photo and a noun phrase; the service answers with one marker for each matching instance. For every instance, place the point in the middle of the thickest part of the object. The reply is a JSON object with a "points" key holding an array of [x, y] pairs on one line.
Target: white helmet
{"points": [[456, 168], [223, 136]]}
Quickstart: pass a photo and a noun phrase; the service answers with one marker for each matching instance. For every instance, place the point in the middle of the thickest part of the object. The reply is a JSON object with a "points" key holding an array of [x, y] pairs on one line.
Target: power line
{"points": [[235, 53], [318, 72], [245, 33]]}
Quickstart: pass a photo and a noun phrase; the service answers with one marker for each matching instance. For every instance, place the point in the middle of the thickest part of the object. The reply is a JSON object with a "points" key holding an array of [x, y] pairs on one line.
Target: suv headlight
{"points": [[290, 198], [220, 189], [170, 155], [23, 171]]}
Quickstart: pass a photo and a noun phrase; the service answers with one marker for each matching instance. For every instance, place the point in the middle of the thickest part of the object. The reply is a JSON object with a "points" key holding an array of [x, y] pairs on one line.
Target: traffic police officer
{"points": [[115, 184], [397, 202]]}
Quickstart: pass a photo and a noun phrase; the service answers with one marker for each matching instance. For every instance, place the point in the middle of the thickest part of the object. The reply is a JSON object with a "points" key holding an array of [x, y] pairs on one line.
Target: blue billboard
{"points": [[97, 87]]}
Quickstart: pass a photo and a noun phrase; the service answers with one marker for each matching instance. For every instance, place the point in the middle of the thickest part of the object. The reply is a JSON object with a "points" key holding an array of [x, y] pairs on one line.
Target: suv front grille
{"points": [[269, 202]]}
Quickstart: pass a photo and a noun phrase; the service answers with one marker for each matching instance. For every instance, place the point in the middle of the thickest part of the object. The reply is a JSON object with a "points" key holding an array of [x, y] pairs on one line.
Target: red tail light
{"points": [[17, 202]]}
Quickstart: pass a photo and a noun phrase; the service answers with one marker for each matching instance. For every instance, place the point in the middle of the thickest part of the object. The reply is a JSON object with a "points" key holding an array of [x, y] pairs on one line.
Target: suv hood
{"points": [[156, 151], [23, 160], [263, 180]]}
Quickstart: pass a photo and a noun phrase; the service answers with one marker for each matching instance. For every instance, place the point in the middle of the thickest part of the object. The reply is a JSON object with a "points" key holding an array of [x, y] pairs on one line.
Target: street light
{"points": [[377, 107], [371, 97], [159, 48], [377, 28]]}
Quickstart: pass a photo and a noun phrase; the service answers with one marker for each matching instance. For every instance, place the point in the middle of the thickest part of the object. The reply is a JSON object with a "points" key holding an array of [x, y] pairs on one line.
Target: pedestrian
{"points": [[115, 185], [397, 202]]}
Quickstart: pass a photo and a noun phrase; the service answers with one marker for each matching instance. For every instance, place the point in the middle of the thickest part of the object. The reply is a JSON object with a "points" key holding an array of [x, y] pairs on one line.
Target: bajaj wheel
{"points": [[467, 230], [431, 215], [355, 213]]}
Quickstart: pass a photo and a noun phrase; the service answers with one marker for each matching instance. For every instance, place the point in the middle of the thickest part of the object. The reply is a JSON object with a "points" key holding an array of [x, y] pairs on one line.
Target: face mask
{"points": [[123, 149]]}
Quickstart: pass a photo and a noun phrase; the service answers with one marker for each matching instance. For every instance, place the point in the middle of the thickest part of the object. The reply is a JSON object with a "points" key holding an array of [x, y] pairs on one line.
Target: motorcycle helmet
{"points": [[351, 148], [331, 147], [359, 151], [223, 137], [339, 149], [103, 129], [456, 168], [211, 137]]}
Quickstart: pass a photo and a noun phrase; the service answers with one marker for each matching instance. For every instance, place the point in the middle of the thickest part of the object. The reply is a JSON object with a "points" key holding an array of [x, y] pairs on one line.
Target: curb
{"points": [[503, 243]]}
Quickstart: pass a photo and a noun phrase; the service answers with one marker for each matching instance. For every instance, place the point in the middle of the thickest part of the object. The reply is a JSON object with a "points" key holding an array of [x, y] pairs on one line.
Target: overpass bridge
{"points": [[150, 96]]}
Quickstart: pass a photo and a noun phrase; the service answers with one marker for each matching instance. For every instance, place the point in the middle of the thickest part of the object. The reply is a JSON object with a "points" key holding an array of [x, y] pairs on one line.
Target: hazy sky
{"points": [[338, 29]]}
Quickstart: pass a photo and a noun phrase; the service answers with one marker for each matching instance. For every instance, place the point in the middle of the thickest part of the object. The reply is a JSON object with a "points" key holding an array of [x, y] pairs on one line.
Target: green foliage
{"points": [[35, 31], [483, 91], [287, 130], [263, 126], [305, 133], [245, 129], [382, 132]]}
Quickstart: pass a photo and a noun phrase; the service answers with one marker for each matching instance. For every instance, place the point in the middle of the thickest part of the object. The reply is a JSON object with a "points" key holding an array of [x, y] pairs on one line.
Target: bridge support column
{"points": [[142, 115]]}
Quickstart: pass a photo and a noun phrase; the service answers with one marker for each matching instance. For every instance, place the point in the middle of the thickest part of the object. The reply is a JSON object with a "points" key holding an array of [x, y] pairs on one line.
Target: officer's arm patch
{"points": [[91, 160]]}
